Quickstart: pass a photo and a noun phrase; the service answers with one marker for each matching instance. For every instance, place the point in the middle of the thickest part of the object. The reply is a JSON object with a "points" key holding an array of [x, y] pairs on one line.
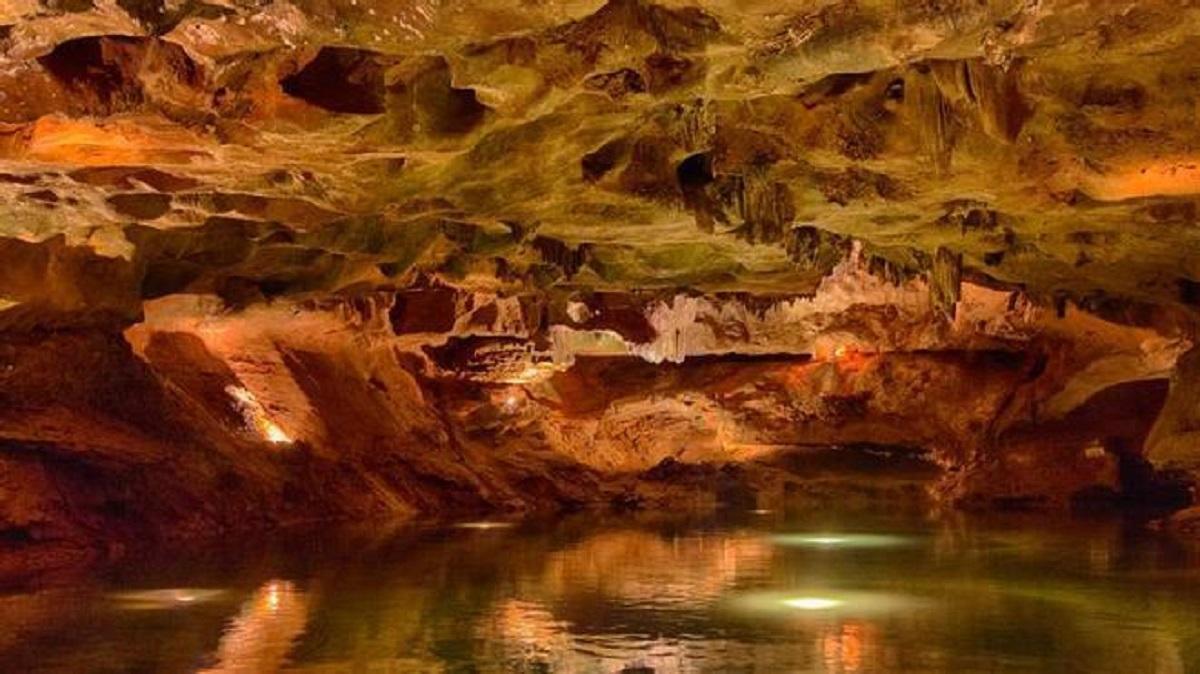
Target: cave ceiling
{"points": [[286, 151]]}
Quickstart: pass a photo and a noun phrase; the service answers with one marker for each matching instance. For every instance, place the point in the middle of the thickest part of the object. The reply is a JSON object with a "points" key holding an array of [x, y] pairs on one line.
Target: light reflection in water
{"points": [[169, 598], [830, 540], [483, 526], [651, 571], [845, 647], [812, 603], [584, 597], [261, 636], [826, 601]]}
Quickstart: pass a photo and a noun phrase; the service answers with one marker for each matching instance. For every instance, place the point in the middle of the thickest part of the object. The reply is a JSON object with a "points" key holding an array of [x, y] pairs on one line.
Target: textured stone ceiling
{"points": [[261, 149], [266, 262]]}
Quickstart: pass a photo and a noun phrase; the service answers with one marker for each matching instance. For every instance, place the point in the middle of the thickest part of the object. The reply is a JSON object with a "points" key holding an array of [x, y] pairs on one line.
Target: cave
{"points": [[639, 336]]}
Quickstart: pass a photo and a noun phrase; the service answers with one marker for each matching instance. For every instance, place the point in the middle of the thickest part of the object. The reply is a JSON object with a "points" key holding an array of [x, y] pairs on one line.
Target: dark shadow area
{"points": [[341, 79]]}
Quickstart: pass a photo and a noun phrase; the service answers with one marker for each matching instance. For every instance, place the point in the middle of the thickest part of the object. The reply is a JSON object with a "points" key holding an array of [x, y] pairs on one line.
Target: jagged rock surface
{"points": [[467, 254]]}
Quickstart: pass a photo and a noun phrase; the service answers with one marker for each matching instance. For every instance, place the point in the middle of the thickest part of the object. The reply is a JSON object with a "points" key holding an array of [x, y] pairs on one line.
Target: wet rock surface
{"points": [[266, 263]]}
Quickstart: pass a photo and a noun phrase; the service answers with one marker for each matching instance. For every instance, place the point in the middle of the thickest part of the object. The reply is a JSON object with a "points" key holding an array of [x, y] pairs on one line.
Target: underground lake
{"points": [[724, 592], [612, 336]]}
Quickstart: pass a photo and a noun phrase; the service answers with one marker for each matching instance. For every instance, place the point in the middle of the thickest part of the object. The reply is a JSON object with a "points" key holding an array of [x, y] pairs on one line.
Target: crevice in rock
{"points": [[617, 84], [99, 69], [567, 258], [109, 74], [596, 164], [341, 79]]}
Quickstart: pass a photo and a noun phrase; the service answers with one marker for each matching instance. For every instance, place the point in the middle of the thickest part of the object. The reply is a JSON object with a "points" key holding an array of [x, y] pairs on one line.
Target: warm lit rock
{"points": [[263, 263]]}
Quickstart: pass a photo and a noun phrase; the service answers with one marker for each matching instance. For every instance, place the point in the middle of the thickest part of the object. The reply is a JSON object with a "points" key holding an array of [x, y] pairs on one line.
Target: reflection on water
{"points": [[166, 598], [840, 540], [842, 646], [748, 593], [261, 636], [483, 525]]}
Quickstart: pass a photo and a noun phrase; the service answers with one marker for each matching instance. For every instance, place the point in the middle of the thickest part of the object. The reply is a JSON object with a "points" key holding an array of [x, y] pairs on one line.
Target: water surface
{"points": [[735, 592]]}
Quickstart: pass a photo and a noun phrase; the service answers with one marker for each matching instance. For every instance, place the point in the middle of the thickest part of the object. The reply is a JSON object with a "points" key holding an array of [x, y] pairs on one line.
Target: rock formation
{"points": [[267, 263]]}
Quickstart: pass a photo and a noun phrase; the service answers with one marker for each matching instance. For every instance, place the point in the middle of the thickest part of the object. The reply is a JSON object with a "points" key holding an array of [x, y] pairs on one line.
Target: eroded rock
{"points": [[349, 260]]}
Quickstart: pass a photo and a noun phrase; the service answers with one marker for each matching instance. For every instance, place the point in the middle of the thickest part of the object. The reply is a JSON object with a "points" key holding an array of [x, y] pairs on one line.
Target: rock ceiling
{"points": [[256, 149]]}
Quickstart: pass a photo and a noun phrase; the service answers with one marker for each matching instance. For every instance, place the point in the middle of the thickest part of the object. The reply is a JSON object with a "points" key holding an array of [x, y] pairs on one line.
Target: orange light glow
{"points": [[63, 141], [843, 648], [256, 416], [531, 374], [1163, 178], [261, 636], [511, 403]]}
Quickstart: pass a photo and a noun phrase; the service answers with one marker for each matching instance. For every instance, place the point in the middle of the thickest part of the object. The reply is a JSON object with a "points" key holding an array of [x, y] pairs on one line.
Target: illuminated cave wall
{"points": [[297, 261]]}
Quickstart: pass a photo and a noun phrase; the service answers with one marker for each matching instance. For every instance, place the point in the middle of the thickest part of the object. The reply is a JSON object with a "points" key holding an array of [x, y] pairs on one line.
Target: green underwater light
{"points": [[812, 603], [838, 540]]}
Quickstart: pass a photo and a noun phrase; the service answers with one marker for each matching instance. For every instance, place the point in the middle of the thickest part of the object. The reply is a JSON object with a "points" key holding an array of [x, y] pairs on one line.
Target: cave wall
{"points": [[198, 421]]}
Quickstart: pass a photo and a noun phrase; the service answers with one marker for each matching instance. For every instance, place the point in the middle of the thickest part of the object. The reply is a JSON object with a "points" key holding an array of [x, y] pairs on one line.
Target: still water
{"points": [[736, 592]]}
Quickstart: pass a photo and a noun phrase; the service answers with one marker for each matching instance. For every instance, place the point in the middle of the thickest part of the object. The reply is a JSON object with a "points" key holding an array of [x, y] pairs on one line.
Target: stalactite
{"points": [[945, 281]]}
